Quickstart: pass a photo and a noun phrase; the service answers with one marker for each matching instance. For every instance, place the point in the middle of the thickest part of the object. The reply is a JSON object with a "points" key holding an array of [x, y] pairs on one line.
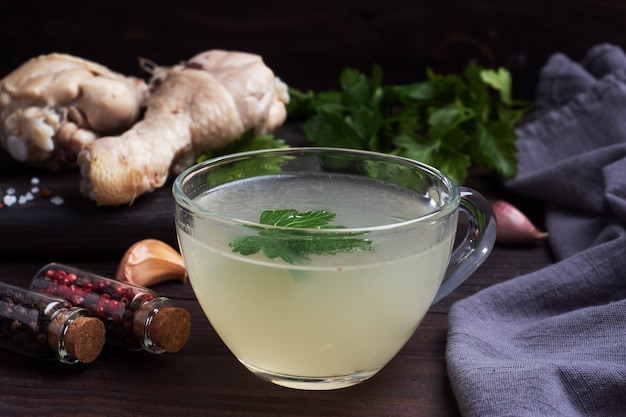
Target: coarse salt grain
{"points": [[9, 200], [10, 196]]}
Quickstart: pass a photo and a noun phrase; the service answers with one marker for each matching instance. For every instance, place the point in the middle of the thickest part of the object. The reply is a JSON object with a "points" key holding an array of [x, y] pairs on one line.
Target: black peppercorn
{"points": [[47, 328]]}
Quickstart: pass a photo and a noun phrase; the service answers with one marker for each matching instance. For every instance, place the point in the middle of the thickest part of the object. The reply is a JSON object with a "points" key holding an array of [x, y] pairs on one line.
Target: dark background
{"points": [[308, 43]]}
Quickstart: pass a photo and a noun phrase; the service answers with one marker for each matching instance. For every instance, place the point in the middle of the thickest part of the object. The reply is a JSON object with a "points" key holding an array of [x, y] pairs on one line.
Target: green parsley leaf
{"points": [[501, 81], [247, 141], [295, 246]]}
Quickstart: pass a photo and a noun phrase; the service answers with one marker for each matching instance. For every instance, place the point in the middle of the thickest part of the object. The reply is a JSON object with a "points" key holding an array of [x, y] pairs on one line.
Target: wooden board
{"points": [[77, 228], [41, 229]]}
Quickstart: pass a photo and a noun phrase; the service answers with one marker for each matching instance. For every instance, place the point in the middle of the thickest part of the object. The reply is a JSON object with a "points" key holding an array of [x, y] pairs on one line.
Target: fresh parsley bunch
{"points": [[448, 121]]}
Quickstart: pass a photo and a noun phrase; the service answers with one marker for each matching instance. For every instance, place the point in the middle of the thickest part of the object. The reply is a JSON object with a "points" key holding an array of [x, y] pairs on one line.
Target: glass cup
{"points": [[315, 266]]}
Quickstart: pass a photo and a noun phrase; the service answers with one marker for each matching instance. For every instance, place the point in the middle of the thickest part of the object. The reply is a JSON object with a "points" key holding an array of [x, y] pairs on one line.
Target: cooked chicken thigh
{"points": [[204, 103], [53, 105]]}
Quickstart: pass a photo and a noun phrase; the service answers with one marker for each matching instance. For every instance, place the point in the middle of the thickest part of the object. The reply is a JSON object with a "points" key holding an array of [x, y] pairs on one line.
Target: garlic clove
{"points": [[514, 226], [149, 262]]}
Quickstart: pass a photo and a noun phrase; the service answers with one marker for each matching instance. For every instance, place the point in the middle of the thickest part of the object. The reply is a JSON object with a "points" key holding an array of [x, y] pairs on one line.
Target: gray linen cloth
{"points": [[553, 342]]}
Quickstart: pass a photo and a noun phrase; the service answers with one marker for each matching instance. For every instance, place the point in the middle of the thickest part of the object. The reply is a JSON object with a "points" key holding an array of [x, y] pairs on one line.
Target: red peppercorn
{"points": [[59, 275], [134, 317]]}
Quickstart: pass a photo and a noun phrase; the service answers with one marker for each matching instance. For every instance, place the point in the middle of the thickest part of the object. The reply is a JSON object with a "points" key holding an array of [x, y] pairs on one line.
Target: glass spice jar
{"points": [[135, 317], [48, 328]]}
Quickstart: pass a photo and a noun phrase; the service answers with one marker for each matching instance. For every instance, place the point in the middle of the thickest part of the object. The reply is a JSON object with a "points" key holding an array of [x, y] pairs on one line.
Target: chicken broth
{"points": [[330, 315]]}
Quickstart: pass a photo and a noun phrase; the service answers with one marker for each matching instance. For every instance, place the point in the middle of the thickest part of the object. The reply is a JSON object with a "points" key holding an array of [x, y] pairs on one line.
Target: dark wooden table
{"points": [[204, 378]]}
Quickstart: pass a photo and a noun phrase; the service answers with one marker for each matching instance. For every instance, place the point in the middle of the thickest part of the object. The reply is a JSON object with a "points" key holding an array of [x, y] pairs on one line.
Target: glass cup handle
{"points": [[475, 246]]}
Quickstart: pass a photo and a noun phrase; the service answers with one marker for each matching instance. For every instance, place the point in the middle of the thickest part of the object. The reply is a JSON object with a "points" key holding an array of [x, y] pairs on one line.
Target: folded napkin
{"points": [[553, 342]]}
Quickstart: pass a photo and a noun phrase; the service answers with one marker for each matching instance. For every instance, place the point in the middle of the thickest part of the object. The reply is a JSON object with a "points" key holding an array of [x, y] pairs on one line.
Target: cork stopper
{"points": [[170, 328], [85, 338]]}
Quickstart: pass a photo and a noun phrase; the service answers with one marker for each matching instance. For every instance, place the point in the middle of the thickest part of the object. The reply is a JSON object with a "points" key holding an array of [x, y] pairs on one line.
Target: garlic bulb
{"points": [[514, 226], [149, 262]]}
